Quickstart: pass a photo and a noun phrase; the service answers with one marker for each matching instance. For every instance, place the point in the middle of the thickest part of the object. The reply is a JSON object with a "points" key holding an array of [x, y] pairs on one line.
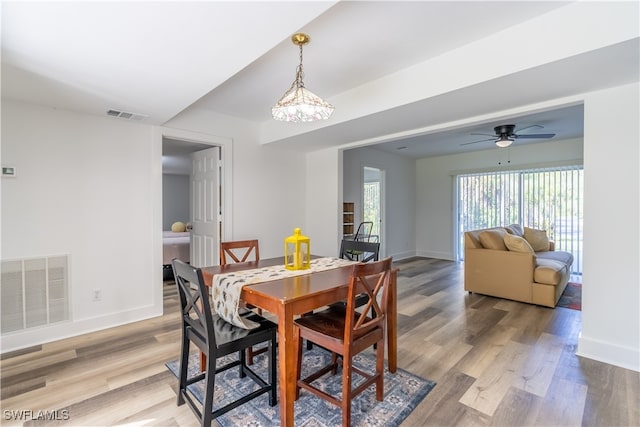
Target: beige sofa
{"points": [[516, 263]]}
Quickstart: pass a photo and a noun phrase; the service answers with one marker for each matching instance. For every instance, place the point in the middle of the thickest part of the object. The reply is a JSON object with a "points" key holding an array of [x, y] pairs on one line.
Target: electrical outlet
{"points": [[97, 295]]}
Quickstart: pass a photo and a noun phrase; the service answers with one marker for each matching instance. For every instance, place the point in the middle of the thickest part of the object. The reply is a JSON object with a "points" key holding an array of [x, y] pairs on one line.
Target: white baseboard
{"points": [[437, 255], [57, 331], [403, 255], [613, 354]]}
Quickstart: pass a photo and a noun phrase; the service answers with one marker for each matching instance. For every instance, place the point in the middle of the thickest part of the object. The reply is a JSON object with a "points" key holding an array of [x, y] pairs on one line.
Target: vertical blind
{"points": [[546, 199], [371, 205]]}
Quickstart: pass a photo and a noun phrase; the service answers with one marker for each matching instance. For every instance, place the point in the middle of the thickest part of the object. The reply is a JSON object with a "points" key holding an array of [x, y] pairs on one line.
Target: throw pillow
{"points": [[492, 239], [515, 229], [178, 227], [517, 244], [538, 239]]}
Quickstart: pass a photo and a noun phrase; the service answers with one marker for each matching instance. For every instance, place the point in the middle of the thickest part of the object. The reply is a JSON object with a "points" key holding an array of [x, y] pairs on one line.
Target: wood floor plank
{"points": [[490, 388], [563, 404], [542, 361]]}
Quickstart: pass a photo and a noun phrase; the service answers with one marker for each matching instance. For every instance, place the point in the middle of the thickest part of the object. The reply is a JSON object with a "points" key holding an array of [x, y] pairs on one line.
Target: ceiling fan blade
{"points": [[528, 127], [537, 135], [475, 142]]}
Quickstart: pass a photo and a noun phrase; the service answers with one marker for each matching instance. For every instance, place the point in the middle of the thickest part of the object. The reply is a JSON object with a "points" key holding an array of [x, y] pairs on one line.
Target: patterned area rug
{"points": [[403, 391], [571, 297]]}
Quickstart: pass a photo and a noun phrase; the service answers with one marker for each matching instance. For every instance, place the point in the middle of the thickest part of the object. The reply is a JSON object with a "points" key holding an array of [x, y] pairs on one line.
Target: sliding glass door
{"points": [[548, 199]]}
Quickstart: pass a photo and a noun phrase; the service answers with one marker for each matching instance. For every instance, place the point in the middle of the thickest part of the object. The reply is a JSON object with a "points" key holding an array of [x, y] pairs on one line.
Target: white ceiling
{"points": [[158, 59]]}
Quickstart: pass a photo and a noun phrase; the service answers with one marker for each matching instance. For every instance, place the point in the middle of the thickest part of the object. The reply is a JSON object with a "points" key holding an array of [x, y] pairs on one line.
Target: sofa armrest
{"points": [[504, 274], [552, 245]]}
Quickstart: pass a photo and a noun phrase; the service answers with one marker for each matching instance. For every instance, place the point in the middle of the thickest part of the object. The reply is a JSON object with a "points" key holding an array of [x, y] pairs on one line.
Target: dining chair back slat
{"points": [[239, 251]]}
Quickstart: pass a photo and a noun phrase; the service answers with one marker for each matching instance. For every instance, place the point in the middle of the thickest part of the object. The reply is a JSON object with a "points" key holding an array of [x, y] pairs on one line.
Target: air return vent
{"points": [[126, 115], [35, 292]]}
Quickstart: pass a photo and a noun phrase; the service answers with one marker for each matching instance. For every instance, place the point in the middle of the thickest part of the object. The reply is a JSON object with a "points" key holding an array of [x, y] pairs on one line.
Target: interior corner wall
{"points": [[399, 192], [321, 197], [83, 188], [611, 284], [175, 199]]}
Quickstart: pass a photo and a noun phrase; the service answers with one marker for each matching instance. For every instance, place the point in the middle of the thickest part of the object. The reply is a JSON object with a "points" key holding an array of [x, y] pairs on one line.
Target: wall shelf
{"points": [[347, 218]]}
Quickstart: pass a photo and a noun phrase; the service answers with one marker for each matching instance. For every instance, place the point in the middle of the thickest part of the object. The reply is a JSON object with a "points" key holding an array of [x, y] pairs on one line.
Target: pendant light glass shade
{"points": [[299, 104]]}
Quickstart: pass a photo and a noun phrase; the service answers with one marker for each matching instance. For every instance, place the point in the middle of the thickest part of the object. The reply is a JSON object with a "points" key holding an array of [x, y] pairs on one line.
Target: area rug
{"points": [[571, 297], [403, 391]]}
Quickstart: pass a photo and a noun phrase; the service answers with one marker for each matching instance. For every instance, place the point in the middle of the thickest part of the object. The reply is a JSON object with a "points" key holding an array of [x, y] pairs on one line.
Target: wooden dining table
{"points": [[292, 296]]}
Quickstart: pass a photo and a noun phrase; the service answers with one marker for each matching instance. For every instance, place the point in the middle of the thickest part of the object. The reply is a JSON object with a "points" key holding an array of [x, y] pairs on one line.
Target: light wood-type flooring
{"points": [[496, 362]]}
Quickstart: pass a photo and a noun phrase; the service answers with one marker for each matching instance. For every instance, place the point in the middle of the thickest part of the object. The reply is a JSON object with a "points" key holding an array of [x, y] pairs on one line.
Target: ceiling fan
{"points": [[506, 134]]}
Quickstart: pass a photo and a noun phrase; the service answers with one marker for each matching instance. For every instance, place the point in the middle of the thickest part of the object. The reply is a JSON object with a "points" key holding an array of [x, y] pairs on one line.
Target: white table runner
{"points": [[228, 286]]}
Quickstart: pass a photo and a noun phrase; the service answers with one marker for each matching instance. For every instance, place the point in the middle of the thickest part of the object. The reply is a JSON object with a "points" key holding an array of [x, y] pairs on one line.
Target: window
{"points": [[547, 199]]}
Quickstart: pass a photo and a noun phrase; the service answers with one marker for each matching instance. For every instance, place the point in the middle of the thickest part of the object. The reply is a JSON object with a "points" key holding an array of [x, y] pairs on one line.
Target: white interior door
{"points": [[205, 207]]}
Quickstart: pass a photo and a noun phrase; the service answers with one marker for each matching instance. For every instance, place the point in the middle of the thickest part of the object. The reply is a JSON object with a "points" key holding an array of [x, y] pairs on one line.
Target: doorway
{"points": [[373, 202]]}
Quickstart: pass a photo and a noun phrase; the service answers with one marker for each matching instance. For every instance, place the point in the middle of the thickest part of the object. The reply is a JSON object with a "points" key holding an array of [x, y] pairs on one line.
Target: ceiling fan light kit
{"points": [[505, 135], [298, 104], [504, 142]]}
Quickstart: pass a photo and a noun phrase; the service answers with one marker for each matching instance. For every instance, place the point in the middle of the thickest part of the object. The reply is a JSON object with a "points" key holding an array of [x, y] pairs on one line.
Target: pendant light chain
{"points": [[299, 71]]}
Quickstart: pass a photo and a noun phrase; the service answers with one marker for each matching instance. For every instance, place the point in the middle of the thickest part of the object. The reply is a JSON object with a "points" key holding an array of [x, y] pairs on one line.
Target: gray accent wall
{"points": [[175, 199], [398, 216]]}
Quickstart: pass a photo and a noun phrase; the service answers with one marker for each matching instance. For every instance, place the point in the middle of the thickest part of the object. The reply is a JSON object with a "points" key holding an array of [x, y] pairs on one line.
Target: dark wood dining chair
{"points": [[239, 251], [370, 251], [346, 333], [242, 251], [217, 338]]}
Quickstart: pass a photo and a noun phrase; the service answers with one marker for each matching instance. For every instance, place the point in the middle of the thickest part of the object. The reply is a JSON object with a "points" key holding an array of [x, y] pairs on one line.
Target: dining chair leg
{"points": [[346, 391], [210, 385], [297, 347], [243, 363], [273, 374], [184, 360], [380, 370]]}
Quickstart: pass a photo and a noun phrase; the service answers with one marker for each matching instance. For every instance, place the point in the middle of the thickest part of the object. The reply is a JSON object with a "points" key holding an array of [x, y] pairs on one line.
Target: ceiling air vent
{"points": [[126, 115]]}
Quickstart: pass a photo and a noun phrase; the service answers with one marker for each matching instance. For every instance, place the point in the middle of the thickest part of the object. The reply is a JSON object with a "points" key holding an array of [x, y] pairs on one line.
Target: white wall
{"points": [[400, 196], [84, 188], [611, 290], [175, 199], [435, 205]]}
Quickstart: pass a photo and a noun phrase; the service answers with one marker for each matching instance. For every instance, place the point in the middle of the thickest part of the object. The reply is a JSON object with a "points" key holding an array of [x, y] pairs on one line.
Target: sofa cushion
{"points": [[515, 229], [563, 257], [548, 271], [538, 239], [517, 244], [493, 239]]}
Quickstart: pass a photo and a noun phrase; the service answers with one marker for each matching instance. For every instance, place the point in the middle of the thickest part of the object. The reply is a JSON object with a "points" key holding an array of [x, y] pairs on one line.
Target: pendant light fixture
{"points": [[299, 104]]}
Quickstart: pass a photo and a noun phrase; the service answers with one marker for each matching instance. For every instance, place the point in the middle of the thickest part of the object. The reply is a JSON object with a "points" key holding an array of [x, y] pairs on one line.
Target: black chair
{"points": [[363, 234], [354, 249], [216, 338]]}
